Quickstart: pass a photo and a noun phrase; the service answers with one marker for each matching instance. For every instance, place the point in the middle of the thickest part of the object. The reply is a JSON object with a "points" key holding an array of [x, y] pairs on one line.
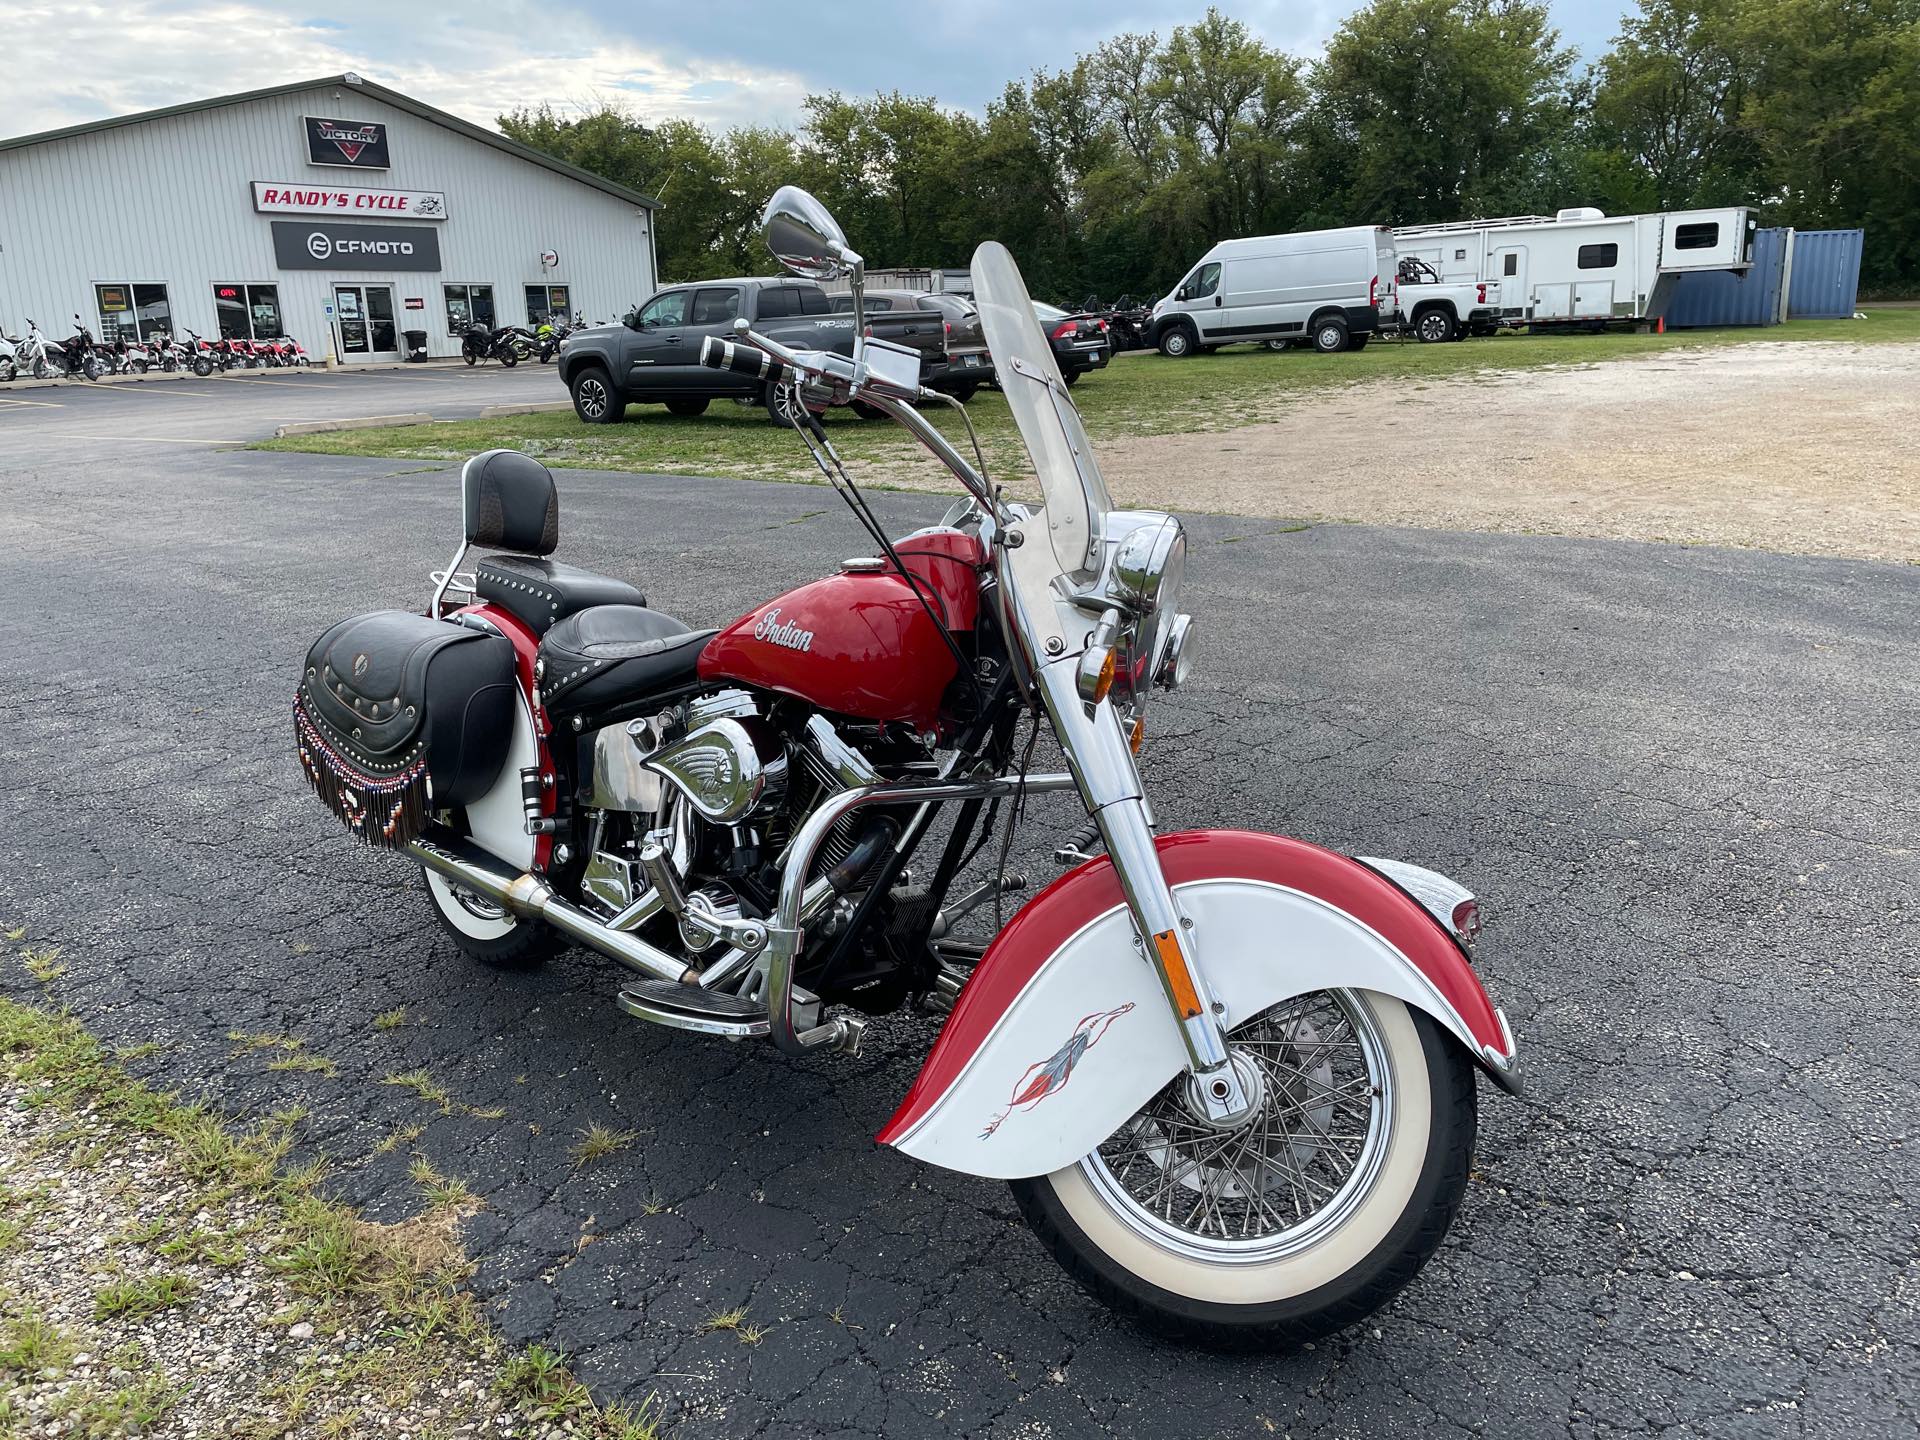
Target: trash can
{"points": [[416, 344]]}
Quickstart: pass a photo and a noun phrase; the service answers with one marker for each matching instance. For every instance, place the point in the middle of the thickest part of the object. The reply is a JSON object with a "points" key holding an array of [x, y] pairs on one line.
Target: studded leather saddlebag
{"points": [[398, 716]]}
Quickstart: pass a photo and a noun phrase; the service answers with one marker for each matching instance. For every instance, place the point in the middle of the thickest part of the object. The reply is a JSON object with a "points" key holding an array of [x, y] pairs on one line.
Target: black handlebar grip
{"points": [[718, 354]]}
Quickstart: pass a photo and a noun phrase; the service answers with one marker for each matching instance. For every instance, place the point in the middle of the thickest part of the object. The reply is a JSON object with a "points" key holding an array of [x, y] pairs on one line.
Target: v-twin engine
{"points": [[692, 807]]}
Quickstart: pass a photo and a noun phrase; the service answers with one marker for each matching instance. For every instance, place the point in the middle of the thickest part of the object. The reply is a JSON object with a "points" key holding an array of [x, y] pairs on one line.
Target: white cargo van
{"points": [[1323, 287]]}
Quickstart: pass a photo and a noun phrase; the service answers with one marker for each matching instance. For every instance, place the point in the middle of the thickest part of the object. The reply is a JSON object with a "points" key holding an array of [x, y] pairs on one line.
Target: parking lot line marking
{"points": [[153, 439], [157, 390], [37, 404], [288, 384]]}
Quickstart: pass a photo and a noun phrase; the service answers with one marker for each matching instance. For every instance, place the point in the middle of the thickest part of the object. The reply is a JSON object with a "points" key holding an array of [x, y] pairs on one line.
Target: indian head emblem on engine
{"points": [[1050, 1075]]}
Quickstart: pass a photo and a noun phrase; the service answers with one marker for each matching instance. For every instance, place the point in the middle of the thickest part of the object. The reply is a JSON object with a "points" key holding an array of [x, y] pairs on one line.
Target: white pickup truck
{"points": [[1435, 309]]}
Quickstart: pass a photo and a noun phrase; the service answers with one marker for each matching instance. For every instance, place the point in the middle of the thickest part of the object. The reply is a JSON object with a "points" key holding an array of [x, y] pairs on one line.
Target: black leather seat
{"points": [[613, 653], [508, 501], [541, 592]]}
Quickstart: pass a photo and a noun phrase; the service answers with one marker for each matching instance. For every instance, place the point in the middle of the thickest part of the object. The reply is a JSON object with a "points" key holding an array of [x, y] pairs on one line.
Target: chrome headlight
{"points": [[1149, 567]]}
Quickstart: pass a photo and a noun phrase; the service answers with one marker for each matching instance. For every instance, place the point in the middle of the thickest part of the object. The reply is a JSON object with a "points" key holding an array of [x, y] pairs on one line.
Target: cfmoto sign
{"points": [[310, 245]]}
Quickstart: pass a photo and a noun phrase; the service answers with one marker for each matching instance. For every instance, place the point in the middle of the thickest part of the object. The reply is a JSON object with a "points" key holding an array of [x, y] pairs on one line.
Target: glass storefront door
{"points": [[363, 315]]}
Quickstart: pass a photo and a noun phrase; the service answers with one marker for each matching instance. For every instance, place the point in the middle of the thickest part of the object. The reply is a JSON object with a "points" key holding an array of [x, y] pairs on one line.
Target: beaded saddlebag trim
{"points": [[386, 809]]}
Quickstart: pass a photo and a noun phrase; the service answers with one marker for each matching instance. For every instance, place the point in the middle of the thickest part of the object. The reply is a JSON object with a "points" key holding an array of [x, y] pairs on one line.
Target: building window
{"points": [[469, 305], [133, 312], [1512, 265], [248, 312], [1697, 237], [1599, 257], [546, 302]]}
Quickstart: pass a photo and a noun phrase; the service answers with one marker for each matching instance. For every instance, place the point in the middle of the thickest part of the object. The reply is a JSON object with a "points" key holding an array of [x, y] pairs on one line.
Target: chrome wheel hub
{"points": [[476, 904], [1284, 1175]]}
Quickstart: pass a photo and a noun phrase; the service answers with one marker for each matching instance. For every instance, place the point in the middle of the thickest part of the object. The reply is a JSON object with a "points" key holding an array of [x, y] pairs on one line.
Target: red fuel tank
{"points": [[858, 643]]}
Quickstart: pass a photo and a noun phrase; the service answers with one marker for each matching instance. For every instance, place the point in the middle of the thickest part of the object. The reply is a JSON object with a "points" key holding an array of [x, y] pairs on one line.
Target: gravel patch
{"points": [[1797, 448], [1794, 447]]}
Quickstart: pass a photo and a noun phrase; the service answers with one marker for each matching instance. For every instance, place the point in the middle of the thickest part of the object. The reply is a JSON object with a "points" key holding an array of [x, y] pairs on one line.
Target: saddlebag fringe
{"points": [[386, 810]]}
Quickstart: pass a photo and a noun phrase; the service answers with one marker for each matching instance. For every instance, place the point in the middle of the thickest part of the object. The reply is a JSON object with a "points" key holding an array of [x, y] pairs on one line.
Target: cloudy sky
{"points": [[720, 61]]}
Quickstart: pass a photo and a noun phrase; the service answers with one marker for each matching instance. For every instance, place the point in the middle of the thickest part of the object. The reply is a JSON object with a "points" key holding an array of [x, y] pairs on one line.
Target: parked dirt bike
{"points": [[1229, 1076], [33, 356], [290, 352], [203, 356], [81, 354]]}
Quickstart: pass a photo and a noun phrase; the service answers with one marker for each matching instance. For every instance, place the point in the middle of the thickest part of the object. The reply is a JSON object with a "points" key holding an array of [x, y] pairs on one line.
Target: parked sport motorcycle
{"points": [[509, 344], [547, 338], [1229, 1076]]}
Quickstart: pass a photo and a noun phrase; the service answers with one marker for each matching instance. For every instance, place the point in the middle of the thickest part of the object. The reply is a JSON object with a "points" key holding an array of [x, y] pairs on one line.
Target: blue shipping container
{"points": [[1735, 297], [1826, 274]]}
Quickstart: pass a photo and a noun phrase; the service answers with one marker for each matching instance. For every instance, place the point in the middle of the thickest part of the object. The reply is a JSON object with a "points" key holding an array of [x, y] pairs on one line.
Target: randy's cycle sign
{"points": [[313, 245], [357, 144]]}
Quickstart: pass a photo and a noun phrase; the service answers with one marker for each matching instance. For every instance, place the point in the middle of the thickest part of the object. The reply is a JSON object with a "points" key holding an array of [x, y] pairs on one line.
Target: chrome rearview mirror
{"points": [[806, 239], [804, 236]]}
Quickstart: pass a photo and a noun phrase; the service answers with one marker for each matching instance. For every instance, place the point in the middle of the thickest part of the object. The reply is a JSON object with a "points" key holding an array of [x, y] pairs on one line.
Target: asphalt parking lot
{"points": [[188, 413], [1681, 779]]}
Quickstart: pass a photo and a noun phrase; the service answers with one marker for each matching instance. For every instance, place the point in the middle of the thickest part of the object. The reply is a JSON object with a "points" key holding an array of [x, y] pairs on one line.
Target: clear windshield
{"points": [[1057, 443]]}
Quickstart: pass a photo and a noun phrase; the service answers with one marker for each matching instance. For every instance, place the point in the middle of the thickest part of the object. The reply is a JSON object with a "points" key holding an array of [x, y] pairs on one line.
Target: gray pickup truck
{"points": [[653, 356]]}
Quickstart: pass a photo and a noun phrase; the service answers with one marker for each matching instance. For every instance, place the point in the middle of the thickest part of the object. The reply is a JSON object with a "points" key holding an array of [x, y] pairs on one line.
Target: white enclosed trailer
{"points": [[1580, 266]]}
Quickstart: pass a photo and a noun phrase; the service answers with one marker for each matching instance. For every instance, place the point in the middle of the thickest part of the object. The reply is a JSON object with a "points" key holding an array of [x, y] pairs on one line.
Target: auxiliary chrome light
{"points": [[1174, 665]]}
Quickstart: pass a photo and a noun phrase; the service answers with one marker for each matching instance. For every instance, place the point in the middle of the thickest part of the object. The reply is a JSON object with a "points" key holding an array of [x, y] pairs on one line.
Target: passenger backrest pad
{"points": [[508, 502]]}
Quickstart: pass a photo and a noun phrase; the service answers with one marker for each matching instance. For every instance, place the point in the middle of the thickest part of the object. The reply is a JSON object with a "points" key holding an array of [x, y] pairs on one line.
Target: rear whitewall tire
{"points": [[484, 931], [1383, 1236]]}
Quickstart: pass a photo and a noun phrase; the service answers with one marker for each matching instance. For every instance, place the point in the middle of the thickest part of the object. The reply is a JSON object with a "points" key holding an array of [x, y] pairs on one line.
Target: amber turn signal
{"points": [[1138, 735], [1095, 676]]}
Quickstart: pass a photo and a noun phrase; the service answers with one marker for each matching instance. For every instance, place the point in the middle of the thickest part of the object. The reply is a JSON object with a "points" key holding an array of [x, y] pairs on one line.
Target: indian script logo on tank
{"points": [[774, 632], [349, 140]]}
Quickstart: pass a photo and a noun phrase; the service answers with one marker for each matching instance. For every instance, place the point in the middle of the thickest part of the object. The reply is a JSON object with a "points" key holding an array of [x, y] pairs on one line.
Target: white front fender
{"points": [[1064, 1030]]}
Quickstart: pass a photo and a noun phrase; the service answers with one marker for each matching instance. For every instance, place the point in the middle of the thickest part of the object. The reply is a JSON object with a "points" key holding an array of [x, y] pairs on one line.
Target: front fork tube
{"points": [[1102, 764]]}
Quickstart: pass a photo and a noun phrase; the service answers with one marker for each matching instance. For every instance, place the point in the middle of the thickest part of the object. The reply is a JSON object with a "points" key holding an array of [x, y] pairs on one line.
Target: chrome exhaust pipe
{"points": [[464, 864]]}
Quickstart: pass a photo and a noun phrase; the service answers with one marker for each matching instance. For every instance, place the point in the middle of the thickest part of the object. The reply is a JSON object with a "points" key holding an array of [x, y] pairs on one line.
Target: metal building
{"points": [[335, 211], [1825, 283], [1754, 296]]}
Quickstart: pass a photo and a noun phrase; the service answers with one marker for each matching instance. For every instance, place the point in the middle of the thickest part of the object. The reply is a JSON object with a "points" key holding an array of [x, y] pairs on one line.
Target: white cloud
{"points": [[83, 61]]}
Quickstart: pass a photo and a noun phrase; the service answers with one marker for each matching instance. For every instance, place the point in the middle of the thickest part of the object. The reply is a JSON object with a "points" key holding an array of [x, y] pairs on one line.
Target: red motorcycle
{"points": [[1229, 1076]]}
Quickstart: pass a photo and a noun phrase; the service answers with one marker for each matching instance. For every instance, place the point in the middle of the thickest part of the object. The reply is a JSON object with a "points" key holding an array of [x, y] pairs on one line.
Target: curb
{"points": [[357, 422], [535, 407]]}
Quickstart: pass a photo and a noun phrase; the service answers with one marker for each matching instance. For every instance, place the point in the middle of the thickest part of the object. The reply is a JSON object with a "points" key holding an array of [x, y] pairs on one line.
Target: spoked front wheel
{"points": [[1303, 1218]]}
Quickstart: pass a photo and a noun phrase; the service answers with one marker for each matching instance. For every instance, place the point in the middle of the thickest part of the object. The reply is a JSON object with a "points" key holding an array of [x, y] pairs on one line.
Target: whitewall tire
{"points": [[1301, 1221], [485, 931]]}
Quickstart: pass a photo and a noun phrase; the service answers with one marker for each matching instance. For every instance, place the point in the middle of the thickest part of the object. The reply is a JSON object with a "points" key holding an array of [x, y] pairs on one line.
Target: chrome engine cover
{"points": [[727, 768]]}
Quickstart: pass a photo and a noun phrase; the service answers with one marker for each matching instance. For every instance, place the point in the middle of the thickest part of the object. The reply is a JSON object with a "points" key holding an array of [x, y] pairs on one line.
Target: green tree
{"points": [[1434, 110]]}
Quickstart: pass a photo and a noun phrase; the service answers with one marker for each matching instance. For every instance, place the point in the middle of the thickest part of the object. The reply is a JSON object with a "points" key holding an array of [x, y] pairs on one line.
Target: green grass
{"points": [[139, 1297], [30, 1343], [411, 1270], [598, 1141], [1139, 394]]}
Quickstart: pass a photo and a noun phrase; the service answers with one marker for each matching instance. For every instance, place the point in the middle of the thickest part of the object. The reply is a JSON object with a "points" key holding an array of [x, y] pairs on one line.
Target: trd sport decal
{"points": [[1050, 1076]]}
